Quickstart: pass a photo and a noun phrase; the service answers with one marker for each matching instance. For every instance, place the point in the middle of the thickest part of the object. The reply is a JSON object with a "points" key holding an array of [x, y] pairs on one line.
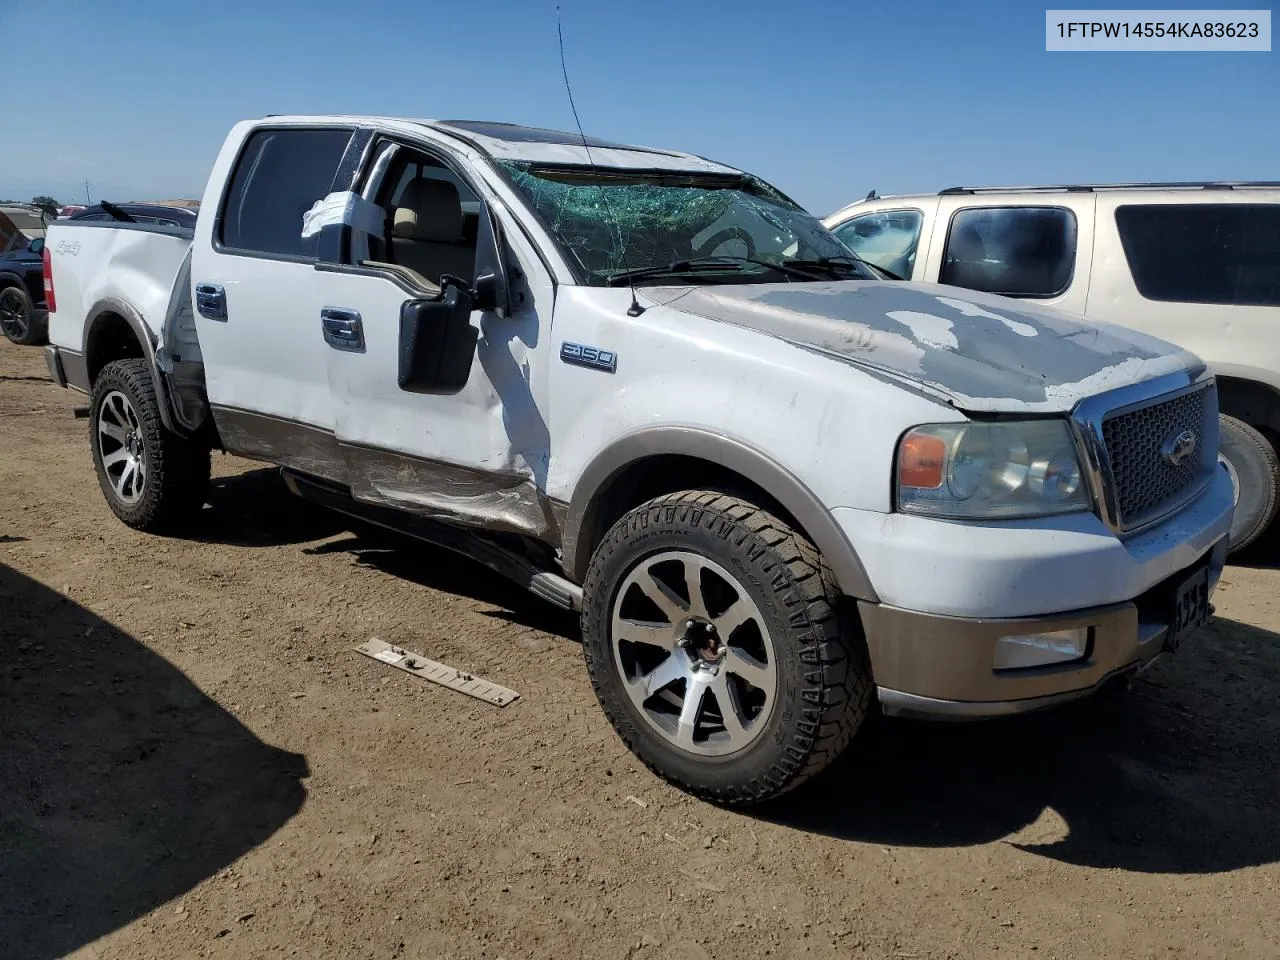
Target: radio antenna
{"points": [[635, 309]]}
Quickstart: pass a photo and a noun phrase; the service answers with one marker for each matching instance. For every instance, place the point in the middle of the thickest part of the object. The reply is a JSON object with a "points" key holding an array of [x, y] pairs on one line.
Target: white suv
{"points": [[1197, 264]]}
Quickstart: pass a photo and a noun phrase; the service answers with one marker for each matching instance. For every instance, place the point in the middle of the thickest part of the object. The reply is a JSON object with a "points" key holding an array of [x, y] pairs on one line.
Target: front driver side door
{"points": [[435, 416]]}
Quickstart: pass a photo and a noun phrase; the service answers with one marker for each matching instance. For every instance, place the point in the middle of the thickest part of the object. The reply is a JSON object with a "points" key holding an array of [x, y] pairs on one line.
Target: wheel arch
{"points": [[10, 279], [1254, 401], [658, 460], [113, 330]]}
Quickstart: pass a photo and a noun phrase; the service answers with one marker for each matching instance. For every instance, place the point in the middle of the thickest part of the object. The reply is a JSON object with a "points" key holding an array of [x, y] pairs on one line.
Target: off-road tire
{"points": [[35, 330], [1257, 468], [177, 469], [824, 676]]}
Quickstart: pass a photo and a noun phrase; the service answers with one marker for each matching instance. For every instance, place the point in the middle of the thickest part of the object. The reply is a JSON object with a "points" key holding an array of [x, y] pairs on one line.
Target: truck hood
{"points": [[977, 351]]}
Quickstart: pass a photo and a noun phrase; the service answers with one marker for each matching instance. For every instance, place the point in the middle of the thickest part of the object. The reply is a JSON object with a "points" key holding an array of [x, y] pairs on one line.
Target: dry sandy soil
{"points": [[195, 762]]}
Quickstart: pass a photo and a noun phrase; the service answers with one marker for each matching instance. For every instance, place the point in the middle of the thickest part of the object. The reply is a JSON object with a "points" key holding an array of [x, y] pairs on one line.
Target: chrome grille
{"points": [[1145, 484]]}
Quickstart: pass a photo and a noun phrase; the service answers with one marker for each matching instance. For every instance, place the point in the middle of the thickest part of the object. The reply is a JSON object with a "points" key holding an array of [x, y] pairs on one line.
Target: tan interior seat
{"points": [[426, 233]]}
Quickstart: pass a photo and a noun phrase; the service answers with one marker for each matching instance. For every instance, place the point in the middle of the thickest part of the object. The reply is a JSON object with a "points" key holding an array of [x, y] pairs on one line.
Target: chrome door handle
{"points": [[211, 301], [342, 328]]}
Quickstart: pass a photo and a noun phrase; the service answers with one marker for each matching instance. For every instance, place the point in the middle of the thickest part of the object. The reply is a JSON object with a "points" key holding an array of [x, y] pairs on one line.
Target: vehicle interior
{"points": [[434, 215]]}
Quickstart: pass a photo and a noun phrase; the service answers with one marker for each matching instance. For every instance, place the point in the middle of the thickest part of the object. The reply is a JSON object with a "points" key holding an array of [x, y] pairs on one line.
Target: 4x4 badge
{"points": [[1178, 446]]}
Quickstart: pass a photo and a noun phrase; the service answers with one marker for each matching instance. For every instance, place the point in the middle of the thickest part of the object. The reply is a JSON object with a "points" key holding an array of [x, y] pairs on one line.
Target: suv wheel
{"points": [[150, 477], [1255, 473], [18, 319], [715, 645]]}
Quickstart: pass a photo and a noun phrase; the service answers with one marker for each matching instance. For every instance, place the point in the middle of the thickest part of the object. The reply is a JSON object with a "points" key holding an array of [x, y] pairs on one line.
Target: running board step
{"points": [[550, 586]]}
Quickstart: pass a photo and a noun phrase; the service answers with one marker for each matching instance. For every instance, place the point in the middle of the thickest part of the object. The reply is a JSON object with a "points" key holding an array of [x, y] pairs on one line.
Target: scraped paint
{"points": [[973, 310], [928, 329], [992, 355]]}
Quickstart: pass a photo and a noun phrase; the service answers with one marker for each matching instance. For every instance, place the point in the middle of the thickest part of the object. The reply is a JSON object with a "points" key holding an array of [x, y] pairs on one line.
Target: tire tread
{"points": [[178, 469], [838, 688]]}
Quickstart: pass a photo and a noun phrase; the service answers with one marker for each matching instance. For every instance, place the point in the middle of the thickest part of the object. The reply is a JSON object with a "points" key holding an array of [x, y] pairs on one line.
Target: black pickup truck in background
{"points": [[22, 309]]}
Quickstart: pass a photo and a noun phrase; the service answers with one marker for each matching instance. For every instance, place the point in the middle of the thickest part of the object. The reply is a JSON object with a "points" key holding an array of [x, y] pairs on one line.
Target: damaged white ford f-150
{"points": [[653, 389]]}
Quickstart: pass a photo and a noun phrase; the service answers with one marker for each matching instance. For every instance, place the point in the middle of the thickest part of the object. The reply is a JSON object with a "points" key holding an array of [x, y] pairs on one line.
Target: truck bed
{"points": [[95, 263]]}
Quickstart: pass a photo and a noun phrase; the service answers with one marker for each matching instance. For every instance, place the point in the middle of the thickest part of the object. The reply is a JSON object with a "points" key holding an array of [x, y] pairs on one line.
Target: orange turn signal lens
{"points": [[921, 459]]}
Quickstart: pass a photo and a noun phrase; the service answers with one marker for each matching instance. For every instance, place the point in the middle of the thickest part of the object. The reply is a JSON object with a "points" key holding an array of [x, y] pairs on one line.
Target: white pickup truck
{"points": [[654, 389]]}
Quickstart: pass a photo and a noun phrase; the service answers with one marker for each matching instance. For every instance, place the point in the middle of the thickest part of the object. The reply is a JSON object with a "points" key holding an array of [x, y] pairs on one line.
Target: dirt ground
{"points": [[195, 762]]}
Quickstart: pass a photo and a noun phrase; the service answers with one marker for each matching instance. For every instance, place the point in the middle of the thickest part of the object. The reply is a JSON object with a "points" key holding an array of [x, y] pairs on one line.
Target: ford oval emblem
{"points": [[1177, 447]]}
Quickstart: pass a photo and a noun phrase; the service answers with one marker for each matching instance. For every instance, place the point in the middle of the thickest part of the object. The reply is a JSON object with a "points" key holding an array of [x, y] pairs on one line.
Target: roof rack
{"points": [[1091, 187]]}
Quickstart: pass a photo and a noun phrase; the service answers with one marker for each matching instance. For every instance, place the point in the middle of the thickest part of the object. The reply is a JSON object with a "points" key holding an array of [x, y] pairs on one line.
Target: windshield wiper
{"points": [[712, 264], [844, 260]]}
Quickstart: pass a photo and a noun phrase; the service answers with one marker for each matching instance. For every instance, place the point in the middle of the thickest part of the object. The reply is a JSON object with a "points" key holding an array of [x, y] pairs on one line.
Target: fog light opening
{"points": [[1021, 651]]}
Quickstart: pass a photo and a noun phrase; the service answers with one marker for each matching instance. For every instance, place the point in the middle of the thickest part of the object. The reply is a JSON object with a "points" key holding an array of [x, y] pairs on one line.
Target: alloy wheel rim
{"points": [[13, 318], [121, 446], [693, 653]]}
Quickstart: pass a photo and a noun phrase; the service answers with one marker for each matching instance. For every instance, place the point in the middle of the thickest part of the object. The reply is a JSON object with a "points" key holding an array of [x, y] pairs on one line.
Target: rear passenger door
{"points": [[256, 299], [1038, 250]]}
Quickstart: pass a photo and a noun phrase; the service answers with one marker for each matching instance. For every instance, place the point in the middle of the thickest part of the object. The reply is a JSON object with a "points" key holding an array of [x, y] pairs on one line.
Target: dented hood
{"points": [[978, 351]]}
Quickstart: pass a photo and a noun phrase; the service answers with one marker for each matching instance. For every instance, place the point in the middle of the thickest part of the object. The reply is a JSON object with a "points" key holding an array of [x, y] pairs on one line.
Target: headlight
{"points": [[984, 471]]}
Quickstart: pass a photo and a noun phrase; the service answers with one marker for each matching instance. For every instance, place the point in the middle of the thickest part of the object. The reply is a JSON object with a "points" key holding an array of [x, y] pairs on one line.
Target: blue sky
{"points": [[825, 99]]}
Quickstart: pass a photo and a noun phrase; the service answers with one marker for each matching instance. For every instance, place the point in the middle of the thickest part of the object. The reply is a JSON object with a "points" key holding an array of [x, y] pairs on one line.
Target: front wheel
{"points": [[152, 478], [716, 647]]}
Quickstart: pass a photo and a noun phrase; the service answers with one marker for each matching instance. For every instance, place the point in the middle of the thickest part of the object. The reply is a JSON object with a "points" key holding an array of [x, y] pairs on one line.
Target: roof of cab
{"points": [[510, 141]]}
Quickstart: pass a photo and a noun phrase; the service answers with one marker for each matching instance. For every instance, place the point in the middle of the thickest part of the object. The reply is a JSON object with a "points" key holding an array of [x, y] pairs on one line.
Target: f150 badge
{"points": [[67, 248], [580, 355]]}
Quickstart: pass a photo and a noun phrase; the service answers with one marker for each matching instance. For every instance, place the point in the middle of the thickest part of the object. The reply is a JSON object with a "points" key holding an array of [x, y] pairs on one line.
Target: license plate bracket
{"points": [[1190, 608]]}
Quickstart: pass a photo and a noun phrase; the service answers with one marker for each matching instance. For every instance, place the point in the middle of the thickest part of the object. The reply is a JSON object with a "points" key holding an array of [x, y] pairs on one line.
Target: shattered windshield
{"points": [[621, 226]]}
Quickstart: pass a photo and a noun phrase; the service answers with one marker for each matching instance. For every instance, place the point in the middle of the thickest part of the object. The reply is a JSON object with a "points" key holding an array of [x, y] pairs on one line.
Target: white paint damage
{"points": [[995, 356], [973, 310], [928, 329]]}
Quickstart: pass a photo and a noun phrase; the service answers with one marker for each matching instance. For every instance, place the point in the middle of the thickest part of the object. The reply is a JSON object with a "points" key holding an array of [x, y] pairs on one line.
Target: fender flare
{"points": [[147, 340], [758, 468], [11, 278]]}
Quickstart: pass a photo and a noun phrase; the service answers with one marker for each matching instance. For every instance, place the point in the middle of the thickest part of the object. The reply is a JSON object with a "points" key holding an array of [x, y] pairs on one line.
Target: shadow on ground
{"points": [[256, 509], [122, 785], [440, 569], [1179, 774]]}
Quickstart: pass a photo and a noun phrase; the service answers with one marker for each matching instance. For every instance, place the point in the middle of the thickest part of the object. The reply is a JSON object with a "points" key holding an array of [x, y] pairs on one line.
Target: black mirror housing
{"points": [[36, 245], [437, 342]]}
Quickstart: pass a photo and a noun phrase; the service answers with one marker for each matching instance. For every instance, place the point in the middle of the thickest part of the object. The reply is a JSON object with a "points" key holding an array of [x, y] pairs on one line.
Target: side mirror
{"points": [[36, 245], [437, 342]]}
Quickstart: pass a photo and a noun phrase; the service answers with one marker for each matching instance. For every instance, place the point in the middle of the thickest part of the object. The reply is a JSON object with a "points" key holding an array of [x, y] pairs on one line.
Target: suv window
{"points": [[887, 238], [279, 176], [1014, 251], [1204, 252]]}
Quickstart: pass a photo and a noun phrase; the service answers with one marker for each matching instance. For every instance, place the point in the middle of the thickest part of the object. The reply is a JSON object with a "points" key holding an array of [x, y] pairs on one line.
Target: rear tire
{"points": [[1255, 472], [18, 320], [152, 478], [788, 675]]}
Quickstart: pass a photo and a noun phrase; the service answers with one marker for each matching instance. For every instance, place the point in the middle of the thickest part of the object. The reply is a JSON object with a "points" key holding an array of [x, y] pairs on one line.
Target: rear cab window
{"points": [[278, 176], [885, 238], [1213, 253], [1027, 252]]}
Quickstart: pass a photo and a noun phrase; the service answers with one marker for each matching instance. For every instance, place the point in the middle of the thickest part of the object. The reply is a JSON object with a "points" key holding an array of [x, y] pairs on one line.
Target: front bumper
{"points": [[934, 666]]}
